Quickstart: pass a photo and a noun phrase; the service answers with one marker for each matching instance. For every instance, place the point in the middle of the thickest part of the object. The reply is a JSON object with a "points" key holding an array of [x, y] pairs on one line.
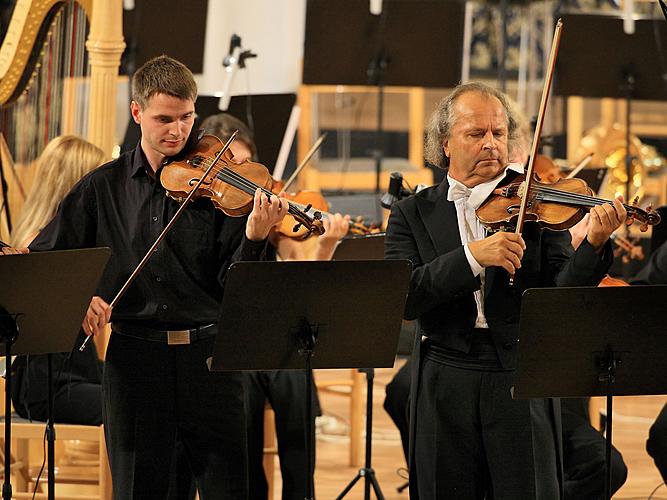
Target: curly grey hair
{"points": [[443, 118]]}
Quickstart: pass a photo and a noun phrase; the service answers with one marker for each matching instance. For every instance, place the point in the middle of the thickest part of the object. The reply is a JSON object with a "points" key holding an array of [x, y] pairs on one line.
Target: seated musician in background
{"points": [[470, 439], [284, 390], [156, 381], [655, 273], [77, 376]]}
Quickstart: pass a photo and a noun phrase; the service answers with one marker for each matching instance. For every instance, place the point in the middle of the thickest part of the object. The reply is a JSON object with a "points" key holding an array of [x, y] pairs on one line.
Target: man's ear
{"points": [[445, 147], [135, 109]]}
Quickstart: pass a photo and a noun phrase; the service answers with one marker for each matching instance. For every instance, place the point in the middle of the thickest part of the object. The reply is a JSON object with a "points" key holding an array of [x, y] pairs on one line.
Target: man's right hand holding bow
{"points": [[500, 249]]}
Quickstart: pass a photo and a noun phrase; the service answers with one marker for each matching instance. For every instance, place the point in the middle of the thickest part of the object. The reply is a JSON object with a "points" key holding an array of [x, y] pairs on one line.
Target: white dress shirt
{"points": [[466, 201]]}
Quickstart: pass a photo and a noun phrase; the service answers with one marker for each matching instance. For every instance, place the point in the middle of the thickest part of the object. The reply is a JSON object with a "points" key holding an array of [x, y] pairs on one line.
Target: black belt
{"points": [[171, 337]]}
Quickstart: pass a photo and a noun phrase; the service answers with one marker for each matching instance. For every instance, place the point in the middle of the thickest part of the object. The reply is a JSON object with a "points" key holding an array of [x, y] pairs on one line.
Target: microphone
{"points": [[375, 7], [395, 191], [231, 65]]}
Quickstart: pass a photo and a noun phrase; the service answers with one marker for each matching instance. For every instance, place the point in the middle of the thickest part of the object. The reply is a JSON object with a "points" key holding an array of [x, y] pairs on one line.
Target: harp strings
{"points": [[55, 99]]}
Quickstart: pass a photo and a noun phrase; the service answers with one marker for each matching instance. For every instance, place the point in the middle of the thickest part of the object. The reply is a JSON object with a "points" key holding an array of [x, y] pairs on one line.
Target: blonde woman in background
{"points": [[63, 162], [77, 377]]}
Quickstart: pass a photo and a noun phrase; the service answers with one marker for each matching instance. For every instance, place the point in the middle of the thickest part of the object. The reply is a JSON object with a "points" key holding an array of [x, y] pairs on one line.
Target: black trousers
{"points": [[583, 445], [657, 442], [396, 404], [153, 391], [473, 441], [286, 393]]}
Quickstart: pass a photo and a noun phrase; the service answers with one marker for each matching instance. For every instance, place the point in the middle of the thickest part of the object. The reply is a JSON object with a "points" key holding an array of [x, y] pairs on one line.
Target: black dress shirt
{"points": [[122, 206]]}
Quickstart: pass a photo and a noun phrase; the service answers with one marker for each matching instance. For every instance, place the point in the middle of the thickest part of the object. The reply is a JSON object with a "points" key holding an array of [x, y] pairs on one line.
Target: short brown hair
{"points": [[163, 75], [442, 120]]}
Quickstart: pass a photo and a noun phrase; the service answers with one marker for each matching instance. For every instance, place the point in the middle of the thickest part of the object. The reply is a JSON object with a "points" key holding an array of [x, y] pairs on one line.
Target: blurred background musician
{"points": [[77, 375]]}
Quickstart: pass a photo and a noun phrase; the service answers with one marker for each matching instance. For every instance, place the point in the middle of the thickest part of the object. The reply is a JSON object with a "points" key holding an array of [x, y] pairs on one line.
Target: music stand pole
{"points": [[608, 374], [367, 471], [50, 434], [9, 332], [307, 336]]}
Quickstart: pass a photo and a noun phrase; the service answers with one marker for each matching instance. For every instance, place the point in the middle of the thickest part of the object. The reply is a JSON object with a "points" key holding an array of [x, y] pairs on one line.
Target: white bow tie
{"points": [[457, 191]]}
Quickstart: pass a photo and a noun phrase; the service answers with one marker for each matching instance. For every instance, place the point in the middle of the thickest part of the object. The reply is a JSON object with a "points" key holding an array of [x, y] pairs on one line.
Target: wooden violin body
{"points": [[181, 174], [231, 186], [556, 206], [501, 209]]}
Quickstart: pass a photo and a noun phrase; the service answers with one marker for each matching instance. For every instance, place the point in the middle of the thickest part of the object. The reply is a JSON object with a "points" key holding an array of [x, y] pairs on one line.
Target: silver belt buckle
{"points": [[178, 337]]}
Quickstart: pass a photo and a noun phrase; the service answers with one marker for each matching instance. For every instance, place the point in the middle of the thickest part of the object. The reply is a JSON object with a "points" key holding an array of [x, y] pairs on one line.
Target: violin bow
{"points": [[305, 160], [540, 122], [555, 43], [164, 232]]}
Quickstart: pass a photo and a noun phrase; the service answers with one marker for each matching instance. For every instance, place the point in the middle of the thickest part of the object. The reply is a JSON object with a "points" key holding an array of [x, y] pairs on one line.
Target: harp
{"points": [[59, 64]]}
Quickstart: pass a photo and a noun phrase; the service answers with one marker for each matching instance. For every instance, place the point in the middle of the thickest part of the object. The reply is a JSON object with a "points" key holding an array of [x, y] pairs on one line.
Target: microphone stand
{"points": [[234, 61], [377, 69]]}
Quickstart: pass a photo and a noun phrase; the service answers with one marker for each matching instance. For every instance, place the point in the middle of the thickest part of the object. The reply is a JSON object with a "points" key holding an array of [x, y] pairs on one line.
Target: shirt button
{"points": [[155, 218], [158, 279], [164, 307]]}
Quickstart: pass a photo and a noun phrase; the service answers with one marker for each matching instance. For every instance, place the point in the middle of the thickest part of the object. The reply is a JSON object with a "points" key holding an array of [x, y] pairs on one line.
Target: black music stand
{"points": [[323, 306], [43, 299], [614, 63], [610, 342]]}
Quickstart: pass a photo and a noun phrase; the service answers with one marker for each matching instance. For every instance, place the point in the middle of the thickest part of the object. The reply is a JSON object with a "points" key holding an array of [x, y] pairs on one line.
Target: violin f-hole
{"points": [[192, 182]]}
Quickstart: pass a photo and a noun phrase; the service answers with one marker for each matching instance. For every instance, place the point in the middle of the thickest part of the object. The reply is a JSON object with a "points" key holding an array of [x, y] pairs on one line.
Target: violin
{"points": [[556, 206], [231, 186]]}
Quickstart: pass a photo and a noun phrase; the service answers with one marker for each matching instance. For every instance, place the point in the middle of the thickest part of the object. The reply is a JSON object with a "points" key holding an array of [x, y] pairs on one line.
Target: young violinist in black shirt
{"points": [[156, 382]]}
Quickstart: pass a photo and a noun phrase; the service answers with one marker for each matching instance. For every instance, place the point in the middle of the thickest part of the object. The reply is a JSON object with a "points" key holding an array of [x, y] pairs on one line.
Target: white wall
{"points": [[273, 29]]}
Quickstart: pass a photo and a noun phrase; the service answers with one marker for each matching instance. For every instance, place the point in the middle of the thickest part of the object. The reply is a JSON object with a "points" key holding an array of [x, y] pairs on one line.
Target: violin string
{"points": [[573, 198], [238, 181], [586, 200], [297, 212]]}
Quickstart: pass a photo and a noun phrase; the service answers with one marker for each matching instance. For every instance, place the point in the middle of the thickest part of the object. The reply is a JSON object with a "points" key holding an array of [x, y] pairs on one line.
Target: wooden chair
{"points": [[23, 476], [270, 448], [339, 387]]}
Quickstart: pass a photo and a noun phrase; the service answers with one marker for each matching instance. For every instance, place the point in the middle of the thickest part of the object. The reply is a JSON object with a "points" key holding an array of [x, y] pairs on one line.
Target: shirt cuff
{"points": [[252, 250], [474, 265]]}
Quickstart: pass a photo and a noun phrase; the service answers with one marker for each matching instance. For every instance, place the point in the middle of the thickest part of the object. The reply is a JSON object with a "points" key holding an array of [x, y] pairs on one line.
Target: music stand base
{"points": [[367, 471]]}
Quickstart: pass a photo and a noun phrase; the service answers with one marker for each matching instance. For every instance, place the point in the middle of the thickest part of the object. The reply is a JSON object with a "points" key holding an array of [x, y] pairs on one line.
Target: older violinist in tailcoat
{"points": [[469, 438]]}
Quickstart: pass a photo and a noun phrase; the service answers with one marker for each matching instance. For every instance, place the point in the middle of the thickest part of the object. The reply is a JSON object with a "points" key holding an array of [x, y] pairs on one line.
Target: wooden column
{"points": [[105, 45]]}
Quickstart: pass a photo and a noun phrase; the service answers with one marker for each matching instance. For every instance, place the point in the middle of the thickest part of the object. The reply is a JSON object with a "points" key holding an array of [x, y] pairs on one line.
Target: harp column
{"points": [[105, 45]]}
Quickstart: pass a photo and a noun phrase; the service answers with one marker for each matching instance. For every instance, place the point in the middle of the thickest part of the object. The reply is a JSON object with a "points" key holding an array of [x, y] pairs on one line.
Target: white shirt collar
{"points": [[481, 192]]}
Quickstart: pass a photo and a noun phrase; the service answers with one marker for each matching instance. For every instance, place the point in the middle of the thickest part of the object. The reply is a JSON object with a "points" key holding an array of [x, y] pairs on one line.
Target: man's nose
{"points": [[177, 128], [489, 141]]}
